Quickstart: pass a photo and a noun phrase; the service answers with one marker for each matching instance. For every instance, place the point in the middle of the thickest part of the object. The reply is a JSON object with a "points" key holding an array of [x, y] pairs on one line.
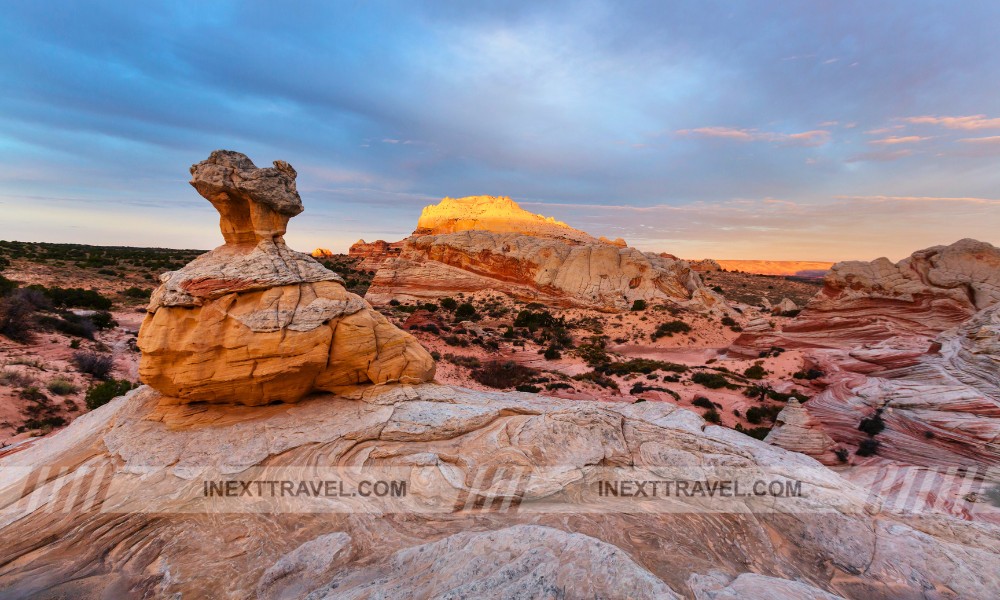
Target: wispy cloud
{"points": [[993, 139], [966, 122], [894, 140], [815, 137]]}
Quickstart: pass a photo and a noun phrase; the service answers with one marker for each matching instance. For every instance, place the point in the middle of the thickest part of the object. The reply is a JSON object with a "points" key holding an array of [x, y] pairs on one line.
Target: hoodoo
{"points": [[253, 322]]}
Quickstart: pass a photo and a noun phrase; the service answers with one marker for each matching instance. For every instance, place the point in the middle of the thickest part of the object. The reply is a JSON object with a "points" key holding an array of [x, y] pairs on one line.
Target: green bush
{"points": [[754, 432], [98, 365], [448, 303], [867, 447], [536, 320], [755, 372], [873, 425], [75, 297], [669, 329], [597, 378], [106, 391], [61, 386], [551, 353], [703, 402], [712, 416], [6, 286], [642, 365], [139, 293], [711, 380], [466, 312], [639, 305], [756, 414]]}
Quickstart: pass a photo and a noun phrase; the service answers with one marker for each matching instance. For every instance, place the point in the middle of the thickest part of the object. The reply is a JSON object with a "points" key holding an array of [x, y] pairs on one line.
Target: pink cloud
{"points": [[893, 140], [993, 139], [967, 122], [815, 137]]}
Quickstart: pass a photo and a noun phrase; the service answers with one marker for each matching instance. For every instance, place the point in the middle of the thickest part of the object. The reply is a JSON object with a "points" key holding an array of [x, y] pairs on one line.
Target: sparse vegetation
{"points": [[102, 393], [91, 363], [61, 386], [868, 447], [669, 329], [873, 425], [503, 374], [712, 381]]}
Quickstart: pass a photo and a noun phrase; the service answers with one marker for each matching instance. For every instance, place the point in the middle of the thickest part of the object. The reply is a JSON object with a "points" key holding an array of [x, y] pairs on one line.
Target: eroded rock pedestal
{"points": [[253, 322]]}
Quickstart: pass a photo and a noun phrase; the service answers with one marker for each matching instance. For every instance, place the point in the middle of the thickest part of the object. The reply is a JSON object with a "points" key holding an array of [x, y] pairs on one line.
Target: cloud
{"points": [[993, 139], [968, 122], [893, 140], [816, 137]]}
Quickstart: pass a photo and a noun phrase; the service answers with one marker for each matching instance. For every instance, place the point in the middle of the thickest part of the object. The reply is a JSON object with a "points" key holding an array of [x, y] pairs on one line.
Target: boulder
{"points": [[253, 322]]}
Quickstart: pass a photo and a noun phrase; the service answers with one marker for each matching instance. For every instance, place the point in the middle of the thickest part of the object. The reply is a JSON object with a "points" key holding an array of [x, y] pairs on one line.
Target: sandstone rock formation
{"points": [[784, 307], [866, 303], [115, 506], [321, 253], [532, 258], [498, 214], [253, 322], [706, 265], [916, 340], [373, 254]]}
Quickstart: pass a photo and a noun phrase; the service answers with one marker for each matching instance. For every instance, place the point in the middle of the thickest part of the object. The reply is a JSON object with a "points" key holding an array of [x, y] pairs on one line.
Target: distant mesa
{"points": [[482, 243], [782, 268], [254, 322], [322, 253]]}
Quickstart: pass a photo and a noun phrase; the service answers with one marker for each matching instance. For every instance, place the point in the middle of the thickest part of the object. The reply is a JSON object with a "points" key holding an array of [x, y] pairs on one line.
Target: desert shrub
{"points": [[669, 329], [34, 394], [454, 340], [448, 303], [98, 365], [6, 286], [527, 387], [703, 402], [559, 385], [642, 365], [597, 378], [466, 312], [428, 306], [754, 432], [469, 362], [536, 320], [431, 328], [69, 324], [639, 305], [791, 313], [712, 416], [435, 355], [502, 374], [15, 378], [17, 321], [872, 425], [810, 374], [756, 414], [867, 447], [551, 353], [755, 372], [842, 454], [729, 321], [782, 397], [594, 352], [75, 298], [711, 380], [138, 293], [61, 386], [106, 391]]}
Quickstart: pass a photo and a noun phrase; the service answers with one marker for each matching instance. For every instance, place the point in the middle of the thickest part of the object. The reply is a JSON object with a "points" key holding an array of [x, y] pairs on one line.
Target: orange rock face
{"points": [[373, 254], [254, 323], [498, 214]]}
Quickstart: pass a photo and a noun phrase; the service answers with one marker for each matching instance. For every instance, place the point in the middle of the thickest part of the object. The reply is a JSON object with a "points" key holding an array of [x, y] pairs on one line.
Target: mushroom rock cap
{"points": [[253, 203]]}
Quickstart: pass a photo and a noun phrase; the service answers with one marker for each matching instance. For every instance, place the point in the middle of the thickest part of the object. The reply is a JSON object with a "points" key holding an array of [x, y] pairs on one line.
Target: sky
{"points": [[785, 130]]}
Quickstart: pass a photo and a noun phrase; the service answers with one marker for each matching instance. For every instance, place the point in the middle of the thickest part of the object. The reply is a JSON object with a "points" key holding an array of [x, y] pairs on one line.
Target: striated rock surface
{"points": [[797, 430], [498, 214], [115, 506], [600, 276], [373, 254], [253, 322], [865, 303], [546, 262]]}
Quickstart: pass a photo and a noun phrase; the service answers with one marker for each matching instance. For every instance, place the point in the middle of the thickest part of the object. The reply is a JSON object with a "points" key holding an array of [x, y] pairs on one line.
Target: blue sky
{"points": [[773, 130]]}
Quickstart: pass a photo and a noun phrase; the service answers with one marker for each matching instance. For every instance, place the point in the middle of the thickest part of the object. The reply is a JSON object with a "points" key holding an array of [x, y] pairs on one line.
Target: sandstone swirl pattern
{"points": [[253, 322], [155, 534]]}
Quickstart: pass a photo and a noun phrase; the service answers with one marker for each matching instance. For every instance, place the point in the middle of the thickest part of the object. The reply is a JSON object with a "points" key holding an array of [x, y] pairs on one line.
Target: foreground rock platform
{"points": [[114, 506]]}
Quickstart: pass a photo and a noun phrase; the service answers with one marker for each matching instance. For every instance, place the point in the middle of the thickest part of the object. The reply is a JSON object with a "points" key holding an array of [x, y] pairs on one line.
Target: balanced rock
{"points": [[253, 322]]}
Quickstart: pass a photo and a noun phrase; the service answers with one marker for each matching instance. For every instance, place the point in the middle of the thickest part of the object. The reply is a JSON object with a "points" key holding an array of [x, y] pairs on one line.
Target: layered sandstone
{"points": [[538, 269], [373, 254], [253, 322], [501, 501], [868, 302], [531, 258]]}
